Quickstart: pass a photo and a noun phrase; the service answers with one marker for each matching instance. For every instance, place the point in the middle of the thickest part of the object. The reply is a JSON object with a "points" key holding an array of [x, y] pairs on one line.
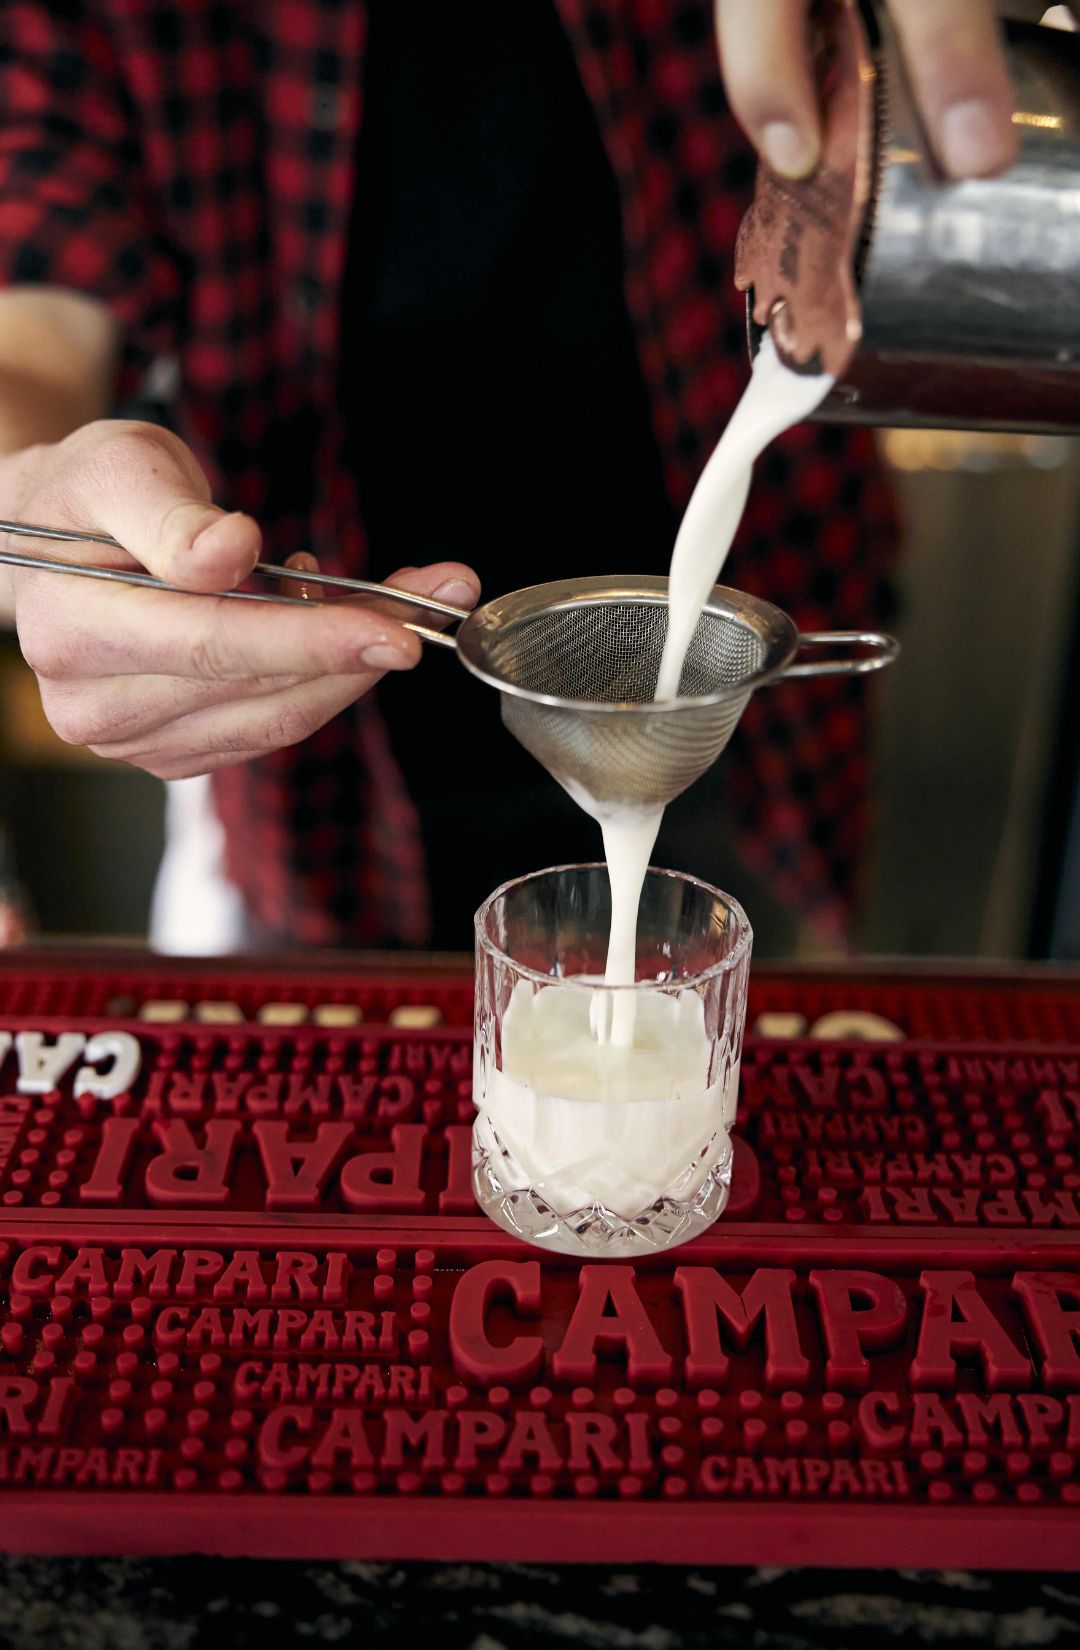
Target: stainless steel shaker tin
{"points": [[966, 308]]}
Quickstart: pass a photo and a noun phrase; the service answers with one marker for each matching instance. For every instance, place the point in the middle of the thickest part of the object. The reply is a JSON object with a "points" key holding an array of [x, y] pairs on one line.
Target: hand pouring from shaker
{"points": [[932, 301]]}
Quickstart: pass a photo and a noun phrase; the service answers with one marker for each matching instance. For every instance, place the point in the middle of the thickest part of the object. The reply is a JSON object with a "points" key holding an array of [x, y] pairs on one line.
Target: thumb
{"points": [[765, 60], [147, 489]]}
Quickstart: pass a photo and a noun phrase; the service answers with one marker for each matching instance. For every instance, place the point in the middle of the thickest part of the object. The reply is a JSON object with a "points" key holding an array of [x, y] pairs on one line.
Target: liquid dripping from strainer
{"points": [[774, 400]]}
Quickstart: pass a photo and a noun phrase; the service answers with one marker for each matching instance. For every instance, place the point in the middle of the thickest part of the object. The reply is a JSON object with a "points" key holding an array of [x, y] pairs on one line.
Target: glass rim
{"points": [[726, 965]]}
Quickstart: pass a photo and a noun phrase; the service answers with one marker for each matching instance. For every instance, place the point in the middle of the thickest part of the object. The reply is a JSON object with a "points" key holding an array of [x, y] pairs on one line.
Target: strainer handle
{"points": [[883, 650], [124, 575]]}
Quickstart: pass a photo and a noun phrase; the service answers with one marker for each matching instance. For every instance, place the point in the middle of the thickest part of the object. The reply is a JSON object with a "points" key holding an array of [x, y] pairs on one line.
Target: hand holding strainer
{"points": [[576, 664]]}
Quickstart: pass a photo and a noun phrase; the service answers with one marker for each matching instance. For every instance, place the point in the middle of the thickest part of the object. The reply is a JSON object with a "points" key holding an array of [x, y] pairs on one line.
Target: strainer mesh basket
{"points": [[607, 653]]}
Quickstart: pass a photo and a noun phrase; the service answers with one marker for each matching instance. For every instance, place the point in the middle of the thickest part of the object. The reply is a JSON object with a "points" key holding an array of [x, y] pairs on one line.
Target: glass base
{"points": [[595, 1232]]}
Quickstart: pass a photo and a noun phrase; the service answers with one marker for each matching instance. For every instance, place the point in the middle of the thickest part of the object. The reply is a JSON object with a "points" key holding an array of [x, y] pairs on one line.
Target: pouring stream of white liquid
{"points": [[774, 399]]}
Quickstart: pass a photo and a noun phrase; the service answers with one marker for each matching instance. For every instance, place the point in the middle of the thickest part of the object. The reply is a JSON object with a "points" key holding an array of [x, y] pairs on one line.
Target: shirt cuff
{"points": [[98, 246]]}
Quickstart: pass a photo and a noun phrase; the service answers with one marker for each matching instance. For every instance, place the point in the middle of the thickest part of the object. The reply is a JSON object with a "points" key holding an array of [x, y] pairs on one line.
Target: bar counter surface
{"points": [[250, 1312]]}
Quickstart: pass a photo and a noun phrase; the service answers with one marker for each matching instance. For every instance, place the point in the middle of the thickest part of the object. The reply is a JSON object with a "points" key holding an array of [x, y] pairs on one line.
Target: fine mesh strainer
{"points": [[576, 664]]}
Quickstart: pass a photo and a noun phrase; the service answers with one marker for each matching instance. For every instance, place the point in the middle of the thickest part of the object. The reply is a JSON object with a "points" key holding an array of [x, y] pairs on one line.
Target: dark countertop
{"points": [[171, 1604]]}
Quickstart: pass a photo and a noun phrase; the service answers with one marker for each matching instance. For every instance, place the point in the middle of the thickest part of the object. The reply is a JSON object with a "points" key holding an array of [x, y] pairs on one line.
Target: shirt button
{"points": [[325, 107]]}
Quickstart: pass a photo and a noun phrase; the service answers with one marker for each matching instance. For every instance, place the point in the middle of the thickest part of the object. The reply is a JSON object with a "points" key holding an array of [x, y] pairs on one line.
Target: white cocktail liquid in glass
{"points": [[582, 1145]]}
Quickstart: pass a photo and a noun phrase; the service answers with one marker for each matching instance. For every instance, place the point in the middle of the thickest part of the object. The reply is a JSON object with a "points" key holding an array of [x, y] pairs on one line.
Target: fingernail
{"points": [[381, 656], [211, 527], [975, 140], [457, 592], [240, 569], [788, 150]]}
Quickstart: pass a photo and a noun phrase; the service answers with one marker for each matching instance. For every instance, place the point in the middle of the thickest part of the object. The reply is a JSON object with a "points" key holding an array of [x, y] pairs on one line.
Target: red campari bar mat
{"points": [[1032, 1007], [322, 1393], [369, 1126], [248, 1306]]}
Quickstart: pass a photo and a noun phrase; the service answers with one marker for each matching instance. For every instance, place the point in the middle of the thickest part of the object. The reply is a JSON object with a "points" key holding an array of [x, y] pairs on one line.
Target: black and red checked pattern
{"points": [[192, 164]]}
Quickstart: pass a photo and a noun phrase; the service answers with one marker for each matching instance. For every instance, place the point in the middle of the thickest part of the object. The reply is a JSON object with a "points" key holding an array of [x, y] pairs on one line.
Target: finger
{"points": [[459, 587], [110, 630], [1028, 11], [143, 486], [764, 59], [240, 730], [302, 561], [123, 709], [956, 64]]}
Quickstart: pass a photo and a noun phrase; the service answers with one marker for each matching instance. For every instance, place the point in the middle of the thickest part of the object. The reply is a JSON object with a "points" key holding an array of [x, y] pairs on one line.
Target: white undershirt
{"points": [[195, 910]]}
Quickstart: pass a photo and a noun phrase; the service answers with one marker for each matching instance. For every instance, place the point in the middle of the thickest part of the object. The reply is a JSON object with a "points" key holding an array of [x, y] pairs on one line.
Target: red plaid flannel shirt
{"points": [[191, 163]]}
